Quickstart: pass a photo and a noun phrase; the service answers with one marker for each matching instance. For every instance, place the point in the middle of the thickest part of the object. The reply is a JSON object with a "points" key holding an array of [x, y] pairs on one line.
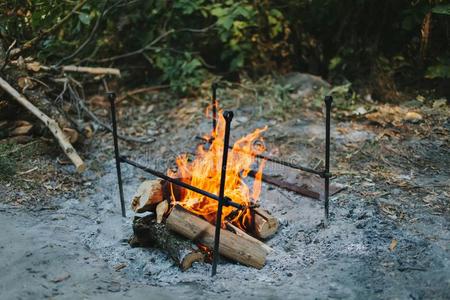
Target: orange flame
{"points": [[205, 170]]}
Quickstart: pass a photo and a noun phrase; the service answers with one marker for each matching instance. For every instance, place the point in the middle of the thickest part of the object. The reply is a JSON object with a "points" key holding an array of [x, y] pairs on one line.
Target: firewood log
{"points": [[149, 233], [148, 195], [266, 225], [243, 234], [232, 246], [161, 210]]}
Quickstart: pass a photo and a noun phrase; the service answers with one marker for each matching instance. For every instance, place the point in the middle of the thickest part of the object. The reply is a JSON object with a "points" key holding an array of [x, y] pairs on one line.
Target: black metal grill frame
{"points": [[221, 198]]}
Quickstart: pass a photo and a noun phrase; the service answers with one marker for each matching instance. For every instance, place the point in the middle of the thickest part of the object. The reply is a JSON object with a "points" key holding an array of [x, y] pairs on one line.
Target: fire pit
{"points": [[234, 199]]}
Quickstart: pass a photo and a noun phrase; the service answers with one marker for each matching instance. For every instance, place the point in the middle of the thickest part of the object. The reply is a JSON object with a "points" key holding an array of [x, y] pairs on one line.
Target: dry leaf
{"points": [[34, 66], [393, 245], [71, 134], [25, 83], [22, 128], [88, 131], [387, 114]]}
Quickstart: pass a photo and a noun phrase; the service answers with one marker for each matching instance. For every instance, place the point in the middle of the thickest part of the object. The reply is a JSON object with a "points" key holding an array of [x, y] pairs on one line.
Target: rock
{"points": [[413, 117], [439, 103], [302, 83], [359, 111]]}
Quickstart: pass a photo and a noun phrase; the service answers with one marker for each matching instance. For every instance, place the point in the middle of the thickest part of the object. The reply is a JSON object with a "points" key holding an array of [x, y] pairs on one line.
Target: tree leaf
{"points": [[443, 9], [85, 18]]}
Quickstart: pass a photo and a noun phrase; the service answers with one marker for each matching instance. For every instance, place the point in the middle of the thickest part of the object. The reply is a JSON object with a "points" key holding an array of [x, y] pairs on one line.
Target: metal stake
{"points": [[326, 174], [112, 101], [228, 115], [214, 105]]}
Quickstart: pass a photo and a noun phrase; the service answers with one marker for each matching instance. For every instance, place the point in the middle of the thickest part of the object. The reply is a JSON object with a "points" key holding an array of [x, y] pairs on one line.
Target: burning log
{"points": [[148, 195], [266, 225], [235, 247], [149, 233]]}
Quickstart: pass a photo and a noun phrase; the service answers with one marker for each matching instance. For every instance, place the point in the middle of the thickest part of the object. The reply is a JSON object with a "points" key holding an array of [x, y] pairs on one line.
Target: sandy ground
{"points": [[74, 244]]}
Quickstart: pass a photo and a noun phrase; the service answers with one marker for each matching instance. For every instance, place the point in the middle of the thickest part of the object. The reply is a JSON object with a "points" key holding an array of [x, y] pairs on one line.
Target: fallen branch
{"points": [[36, 67], [50, 123], [92, 70]]}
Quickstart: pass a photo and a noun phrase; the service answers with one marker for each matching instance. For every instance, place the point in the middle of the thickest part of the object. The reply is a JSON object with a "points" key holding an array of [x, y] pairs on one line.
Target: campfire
{"points": [[204, 172], [192, 215], [207, 205]]}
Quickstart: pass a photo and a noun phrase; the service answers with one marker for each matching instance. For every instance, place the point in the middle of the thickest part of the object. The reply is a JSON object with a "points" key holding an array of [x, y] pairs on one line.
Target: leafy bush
{"points": [[179, 42]]}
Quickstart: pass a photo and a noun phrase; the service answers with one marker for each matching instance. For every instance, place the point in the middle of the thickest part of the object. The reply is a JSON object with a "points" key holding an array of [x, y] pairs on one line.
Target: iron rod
{"points": [[112, 101], [326, 174], [274, 160], [214, 105], [228, 115], [227, 201]]}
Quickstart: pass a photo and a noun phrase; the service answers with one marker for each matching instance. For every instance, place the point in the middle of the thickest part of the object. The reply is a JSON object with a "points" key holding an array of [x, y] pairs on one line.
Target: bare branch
{"points": [[150, 45]]}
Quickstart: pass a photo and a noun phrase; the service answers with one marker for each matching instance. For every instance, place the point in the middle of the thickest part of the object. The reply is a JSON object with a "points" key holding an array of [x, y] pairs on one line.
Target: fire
{"points": [[205, 169]]}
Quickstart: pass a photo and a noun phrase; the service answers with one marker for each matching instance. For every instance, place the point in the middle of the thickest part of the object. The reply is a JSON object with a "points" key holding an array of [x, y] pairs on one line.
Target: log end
{"points": [[148, 195], [265, 224]]}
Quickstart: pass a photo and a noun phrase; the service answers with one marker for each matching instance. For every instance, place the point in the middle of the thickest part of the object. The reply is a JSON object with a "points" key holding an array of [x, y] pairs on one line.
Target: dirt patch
{"points": [[397, 189]]}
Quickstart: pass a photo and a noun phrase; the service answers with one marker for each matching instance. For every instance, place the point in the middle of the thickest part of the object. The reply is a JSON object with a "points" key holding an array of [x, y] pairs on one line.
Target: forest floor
{"points": [[389, 234]]}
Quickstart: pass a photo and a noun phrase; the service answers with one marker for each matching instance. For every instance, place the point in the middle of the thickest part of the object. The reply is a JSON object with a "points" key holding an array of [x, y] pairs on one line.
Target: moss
{"points": [[7, 168]]}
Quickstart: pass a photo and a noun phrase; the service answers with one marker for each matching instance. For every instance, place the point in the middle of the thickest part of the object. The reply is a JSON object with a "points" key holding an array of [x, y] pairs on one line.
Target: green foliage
{"points": [[439, 70], [443, 9], [179, 42], [182, 72]]}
